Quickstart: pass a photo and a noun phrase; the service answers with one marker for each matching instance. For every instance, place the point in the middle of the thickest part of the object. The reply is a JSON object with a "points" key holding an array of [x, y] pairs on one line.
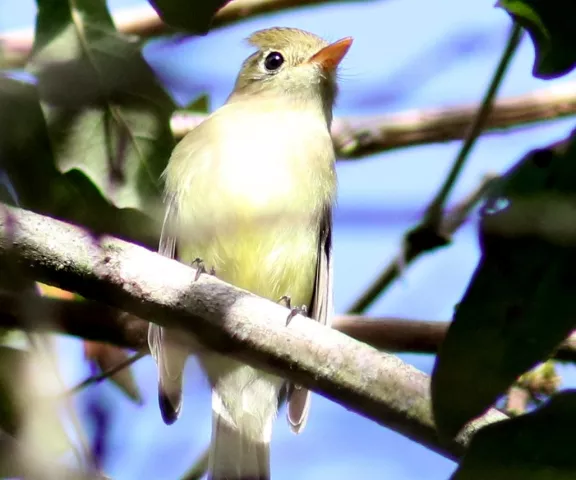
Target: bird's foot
{"points": [[201, 268], [303, 310], [286, 300]]}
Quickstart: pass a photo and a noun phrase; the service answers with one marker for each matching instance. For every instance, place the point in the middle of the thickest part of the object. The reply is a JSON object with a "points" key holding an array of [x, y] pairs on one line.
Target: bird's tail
{"points": [[242, 417], [235, 455], [171, 360]]}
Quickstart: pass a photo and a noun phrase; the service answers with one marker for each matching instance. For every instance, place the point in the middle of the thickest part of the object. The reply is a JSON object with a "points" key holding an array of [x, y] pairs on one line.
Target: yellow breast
{"points": [[250, 190]]}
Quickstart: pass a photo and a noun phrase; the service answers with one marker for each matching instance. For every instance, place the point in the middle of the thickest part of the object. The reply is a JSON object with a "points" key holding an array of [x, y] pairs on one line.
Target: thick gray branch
{"points": [[374, 384]]}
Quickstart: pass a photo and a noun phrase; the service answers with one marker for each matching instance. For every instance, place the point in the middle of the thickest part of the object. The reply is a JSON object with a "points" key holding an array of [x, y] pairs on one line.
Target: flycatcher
{"points": [[250, 192]]}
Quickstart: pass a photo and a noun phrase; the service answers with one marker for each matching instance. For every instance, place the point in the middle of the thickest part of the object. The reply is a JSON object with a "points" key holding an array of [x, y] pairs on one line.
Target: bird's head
{"points": [[292, 63]]}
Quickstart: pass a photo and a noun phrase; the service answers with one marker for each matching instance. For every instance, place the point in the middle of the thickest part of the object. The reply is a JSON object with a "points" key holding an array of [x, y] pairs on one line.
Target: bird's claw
{"points": [[286, 300], [201, 268], [293, 311], [303, 310]]}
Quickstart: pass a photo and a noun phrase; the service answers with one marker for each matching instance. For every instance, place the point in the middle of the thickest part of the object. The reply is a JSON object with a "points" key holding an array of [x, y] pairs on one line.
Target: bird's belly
{"points": [[269, 259]]}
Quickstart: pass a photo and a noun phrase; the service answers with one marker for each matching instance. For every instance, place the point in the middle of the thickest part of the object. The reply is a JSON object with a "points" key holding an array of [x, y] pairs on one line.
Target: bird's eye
{"points": [[273, 61]]}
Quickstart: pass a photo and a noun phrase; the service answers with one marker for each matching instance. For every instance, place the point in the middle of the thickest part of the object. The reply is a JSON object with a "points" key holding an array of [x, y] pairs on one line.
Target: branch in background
{"points": [[433, 216], [231, 321], [451, 222], [93, 379], [358, 137], [94, 321], [143, 21], [199, 468], [17, 460], [432, 231]]}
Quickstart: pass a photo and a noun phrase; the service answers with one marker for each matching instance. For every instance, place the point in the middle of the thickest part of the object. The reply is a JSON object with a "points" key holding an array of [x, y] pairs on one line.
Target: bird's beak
{"points": [[330, 57]]}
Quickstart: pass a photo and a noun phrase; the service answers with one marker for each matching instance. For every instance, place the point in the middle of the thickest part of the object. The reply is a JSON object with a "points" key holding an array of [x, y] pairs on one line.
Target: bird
{"points": [[249, 192]]}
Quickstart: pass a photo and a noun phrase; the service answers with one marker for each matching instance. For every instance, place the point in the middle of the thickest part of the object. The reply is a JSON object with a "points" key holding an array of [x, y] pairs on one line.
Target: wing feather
{"points": [[321, 311]]}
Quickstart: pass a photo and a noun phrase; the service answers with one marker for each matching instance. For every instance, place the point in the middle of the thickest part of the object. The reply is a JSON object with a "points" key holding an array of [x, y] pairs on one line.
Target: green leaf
{"points": [[194, 17], [33, 181], [22, 405], [12, 368], [535, 446], [550, 24], [199, 105], [107, 116], [25, 151], [520, 303]]}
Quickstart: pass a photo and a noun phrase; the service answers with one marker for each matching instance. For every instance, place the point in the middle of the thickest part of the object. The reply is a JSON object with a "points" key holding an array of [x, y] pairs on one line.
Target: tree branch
{"points": [[94, 321], [143, 21], [228, 320], [452, 220], [357, 137]]}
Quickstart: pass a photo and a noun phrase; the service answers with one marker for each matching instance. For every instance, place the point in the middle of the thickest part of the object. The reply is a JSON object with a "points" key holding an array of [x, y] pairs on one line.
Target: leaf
{"points": [[534, 446], [550, 24], [33, 181], [200, 104], [520, 303], [54, 292], [12, 369], [194, 17], [107, 116], [25, 151], [107, 356]]}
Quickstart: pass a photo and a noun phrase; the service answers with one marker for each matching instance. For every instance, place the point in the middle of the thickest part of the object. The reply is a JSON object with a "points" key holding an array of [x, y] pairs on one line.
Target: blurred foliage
{"points": [[24, 408], [107, 118], [534, 446], [520, 304], [182, 16], [101, 356], [550, 24], [12, 365], [105, 357]]}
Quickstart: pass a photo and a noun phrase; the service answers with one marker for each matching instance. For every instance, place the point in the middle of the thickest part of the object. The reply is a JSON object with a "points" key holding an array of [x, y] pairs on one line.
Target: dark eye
{"points": [[273, 61]]}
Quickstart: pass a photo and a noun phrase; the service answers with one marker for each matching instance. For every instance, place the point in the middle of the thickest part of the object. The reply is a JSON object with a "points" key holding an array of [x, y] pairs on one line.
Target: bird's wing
{"points": [[163, 344], [169, 357], [321, 311]]}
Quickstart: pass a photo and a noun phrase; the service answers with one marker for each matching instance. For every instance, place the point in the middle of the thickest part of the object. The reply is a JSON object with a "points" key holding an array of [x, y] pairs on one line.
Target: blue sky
{"points": [[407, 54]]}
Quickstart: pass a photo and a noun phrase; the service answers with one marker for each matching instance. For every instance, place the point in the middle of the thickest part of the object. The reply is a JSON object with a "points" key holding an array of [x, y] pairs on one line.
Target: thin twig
{"points": [[143, 22], [199, 468], [93, 379], [451, 222], [431, 232], [434, 211]]}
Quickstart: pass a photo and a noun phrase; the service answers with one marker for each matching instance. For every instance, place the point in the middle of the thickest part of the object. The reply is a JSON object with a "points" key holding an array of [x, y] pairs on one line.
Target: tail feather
{"points": [[235, 455], [170, 398], [171, 360]]}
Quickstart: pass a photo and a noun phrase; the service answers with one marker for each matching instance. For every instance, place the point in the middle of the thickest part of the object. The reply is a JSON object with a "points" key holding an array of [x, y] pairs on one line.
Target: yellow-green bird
{"points": [[250, 191]]}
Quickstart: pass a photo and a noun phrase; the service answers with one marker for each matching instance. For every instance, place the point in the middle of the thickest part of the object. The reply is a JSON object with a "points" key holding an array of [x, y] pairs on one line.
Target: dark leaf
{"points": [[25, 152], [12, 372], [108, 118], [535, 446], [520, 303], [107, 356], [550, 24], [194, 16], [32, 180]]}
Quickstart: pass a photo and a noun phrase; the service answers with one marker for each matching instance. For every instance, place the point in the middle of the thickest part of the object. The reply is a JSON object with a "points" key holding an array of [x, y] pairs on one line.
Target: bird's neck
{"points": [[305, 102]]}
